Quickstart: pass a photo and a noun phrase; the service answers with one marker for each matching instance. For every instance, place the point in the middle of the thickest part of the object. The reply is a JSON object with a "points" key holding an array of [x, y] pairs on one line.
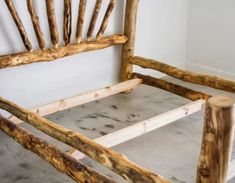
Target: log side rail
{"points": [[206, 80], [47, 55], [116, 162]]}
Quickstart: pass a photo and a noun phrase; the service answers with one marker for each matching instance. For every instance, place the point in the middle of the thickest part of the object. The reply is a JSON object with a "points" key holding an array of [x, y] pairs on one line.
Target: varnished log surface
{"points": [[80, 21], [206, 80], [62, 162], [67, 21], [52, 54]]}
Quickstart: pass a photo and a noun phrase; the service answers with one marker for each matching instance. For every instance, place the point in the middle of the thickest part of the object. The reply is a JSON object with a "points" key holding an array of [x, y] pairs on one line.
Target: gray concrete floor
{"points": [[171, 150]]}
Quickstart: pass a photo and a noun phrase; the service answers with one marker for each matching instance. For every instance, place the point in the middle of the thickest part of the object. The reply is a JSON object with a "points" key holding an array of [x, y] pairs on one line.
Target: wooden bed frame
{"points": [[213, 164]]}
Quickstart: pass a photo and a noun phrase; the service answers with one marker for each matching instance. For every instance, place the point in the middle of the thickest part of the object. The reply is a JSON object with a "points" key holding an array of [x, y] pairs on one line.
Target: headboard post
{"points": [[129, 31]]}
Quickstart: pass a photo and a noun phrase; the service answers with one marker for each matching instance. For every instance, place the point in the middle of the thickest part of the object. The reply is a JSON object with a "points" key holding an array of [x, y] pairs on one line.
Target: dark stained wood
{"points": [[67, 21]]}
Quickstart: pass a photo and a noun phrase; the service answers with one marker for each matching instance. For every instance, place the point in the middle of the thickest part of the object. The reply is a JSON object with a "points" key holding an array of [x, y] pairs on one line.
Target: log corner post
{"points": [[217, 141], [129, 31]]}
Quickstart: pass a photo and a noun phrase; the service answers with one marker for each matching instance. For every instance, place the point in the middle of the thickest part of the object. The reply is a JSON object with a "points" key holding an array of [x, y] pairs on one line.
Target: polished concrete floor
{"points": [[171, 150]]}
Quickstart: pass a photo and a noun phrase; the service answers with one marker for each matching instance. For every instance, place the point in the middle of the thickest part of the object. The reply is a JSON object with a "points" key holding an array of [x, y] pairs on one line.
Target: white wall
{"points": [[161, 35], [211, 37]]}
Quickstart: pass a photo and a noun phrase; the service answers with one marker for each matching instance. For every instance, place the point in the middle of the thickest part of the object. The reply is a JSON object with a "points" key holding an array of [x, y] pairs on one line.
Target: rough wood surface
{"points": [[206, 80], [107, 157], [171, 87], [36, 24], [67, 21], [217, 141], [129, 31], [52, 22], [19, 24], [80, 21], [62, 162], [94, 19], [106, 19], [53, 54]]}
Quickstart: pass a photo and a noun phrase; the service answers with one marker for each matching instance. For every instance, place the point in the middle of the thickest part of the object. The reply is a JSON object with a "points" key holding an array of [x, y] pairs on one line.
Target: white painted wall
{"points": [[211, 37], [161, 35]]}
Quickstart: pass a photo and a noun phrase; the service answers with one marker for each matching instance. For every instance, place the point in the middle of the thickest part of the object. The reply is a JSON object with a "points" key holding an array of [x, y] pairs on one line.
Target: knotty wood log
{"points": [[52, 22], [129, 31], [171, 87], [107, 157], [80, 21], [67, 21], [106, 19], [19, 24], [206, 80], [94, 19], [62, 162], [216, 141], [52, 54], [36, 24]]}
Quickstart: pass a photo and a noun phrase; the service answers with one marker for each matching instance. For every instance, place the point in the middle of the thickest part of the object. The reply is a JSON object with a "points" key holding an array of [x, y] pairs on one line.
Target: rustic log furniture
{"points": [[218, 132]]}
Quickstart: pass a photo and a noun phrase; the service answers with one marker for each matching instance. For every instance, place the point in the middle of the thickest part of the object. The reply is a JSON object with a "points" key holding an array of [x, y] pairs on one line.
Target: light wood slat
{"points": [[67, 21], [80, 21]]}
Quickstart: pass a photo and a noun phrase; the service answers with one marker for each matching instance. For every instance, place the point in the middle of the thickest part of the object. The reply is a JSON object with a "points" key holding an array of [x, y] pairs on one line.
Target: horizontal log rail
{"points": [[53, 54], [171, 87], [62, 162], [107, 157], [206, 80]]}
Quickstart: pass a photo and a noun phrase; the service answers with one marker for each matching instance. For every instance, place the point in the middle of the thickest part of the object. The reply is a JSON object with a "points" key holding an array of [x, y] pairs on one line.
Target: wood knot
{"points": [[210, 137], [205, 172]]}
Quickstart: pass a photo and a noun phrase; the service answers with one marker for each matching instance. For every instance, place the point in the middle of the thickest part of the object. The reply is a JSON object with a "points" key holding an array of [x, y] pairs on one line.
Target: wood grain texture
{"points": [[59, 160], [171, 87], [80, 21], [206, 80], [106, 19], [52, 22], [19, 24], [67, 21], [36, 24], [107, 157], [217, 141], [53, 54]]}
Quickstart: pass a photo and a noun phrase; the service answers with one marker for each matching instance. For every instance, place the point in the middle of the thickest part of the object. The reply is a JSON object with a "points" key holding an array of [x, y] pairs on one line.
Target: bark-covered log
{"points": [[80, 21], [53, 54], [67, 21], [106, 19], [171, 87], [62, 162], [107, 157], [36, 24], [217, 141], [206, 80], [19, 24]]}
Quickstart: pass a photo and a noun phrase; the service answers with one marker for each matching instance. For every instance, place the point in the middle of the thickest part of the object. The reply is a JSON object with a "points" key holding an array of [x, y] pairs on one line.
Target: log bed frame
{"points": [[214, 164]]}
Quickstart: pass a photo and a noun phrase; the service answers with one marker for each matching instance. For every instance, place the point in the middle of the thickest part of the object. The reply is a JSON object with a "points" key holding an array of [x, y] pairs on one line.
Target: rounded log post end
{"points": [[221, 101]]}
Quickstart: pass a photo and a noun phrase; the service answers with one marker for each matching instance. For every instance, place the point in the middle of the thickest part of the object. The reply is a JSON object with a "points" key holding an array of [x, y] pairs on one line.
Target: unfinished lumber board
{"points": [[129, 31], [94, 19], [82, 99], [67, 21], [216, 148], [36, 24], [80, 21], [107, 157], [231, 170], [52, 22], [206, 80], [106, 19], [171, 87], [63, 51], [145, 126], [62, 162], [19, 24]]}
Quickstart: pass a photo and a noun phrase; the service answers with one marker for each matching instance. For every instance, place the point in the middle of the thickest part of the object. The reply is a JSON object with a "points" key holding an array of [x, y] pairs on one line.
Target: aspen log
{"points": [[19, 24], [106, 19], [67, 21], [36, 24], [53, 54], [107, 157], [80, 21], [171, 87], [217, 141], [206, 80], [62, 162], [52, 22]]}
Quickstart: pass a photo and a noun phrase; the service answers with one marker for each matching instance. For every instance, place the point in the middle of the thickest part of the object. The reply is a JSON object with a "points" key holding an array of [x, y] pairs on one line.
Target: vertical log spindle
{"points": [[80, 21]]}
